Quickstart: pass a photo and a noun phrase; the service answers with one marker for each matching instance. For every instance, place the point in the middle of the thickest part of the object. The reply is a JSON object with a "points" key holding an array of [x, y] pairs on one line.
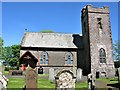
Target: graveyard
{"points": [[62, 61], [44, 83]]}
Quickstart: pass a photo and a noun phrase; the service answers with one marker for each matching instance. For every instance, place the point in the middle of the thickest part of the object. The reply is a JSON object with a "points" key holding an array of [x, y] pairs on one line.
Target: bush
{"points": [[7, 68]]}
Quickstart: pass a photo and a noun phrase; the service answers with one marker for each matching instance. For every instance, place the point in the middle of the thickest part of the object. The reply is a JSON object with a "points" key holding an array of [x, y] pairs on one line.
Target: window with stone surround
{"points": [[69, 59], [102, 55], [44, 58], [99, 23]]}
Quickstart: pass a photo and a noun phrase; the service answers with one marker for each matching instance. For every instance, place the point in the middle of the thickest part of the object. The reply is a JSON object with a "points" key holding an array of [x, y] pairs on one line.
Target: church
{"points": [[92, 51]]}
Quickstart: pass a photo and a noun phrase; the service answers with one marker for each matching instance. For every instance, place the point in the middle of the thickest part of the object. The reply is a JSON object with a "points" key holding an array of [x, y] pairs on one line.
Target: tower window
{"points": [[102, 55], [69, 58], [99, 23], [44, 58], [99, 26]]}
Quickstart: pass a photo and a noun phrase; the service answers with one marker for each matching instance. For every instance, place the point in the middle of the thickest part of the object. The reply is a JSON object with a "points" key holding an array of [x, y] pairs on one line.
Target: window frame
{"points": [[44, 58], [69, 58], [102, 56]]}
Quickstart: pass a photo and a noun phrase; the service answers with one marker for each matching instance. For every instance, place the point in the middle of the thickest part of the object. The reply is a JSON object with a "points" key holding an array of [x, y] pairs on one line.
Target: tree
{"points": [[46, 31], [116, 53], [1, 47], [11, 55]]}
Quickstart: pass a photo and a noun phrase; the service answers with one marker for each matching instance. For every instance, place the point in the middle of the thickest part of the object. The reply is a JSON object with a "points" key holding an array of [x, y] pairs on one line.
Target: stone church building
{"points": [[92, 51]]}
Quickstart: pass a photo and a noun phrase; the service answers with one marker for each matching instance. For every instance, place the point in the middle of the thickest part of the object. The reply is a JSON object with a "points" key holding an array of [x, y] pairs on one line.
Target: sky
{"points": [[64, 17]]}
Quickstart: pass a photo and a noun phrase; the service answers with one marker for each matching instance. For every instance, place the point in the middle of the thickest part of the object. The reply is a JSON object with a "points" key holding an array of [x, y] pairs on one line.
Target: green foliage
{"points": [[10, 68], [116, 50], [116, 53], [1, 47], [11, 54], [46, 31]]}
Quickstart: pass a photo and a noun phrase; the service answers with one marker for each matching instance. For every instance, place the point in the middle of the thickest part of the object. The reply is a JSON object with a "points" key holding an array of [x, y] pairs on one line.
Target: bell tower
{"points": [[97, 41]]}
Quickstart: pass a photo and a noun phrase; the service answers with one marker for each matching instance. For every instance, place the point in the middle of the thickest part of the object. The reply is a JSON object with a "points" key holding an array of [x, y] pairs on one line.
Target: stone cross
{"points": [[79, 74], [31, 78], [65, 80], [51, 75]]}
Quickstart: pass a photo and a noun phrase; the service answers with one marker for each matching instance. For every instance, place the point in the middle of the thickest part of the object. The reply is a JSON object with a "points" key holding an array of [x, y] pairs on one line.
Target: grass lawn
{"points": [[15, 83], [109, 80], [42, 83], [45, 83], [6, 72]]}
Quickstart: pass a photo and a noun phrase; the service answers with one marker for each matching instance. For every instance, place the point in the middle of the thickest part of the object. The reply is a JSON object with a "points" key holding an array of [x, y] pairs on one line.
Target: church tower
{"points": [[97, 41]]}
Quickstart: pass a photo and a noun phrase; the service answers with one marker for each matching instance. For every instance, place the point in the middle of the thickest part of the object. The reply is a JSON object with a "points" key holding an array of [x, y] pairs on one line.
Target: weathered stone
{"points": [[96, 38], [91, 82], [3, 81], [96, 35], [1, 85], [118, 74], [2, 67], [51, 74], [65, 79], [31, 78], [79, 74]]}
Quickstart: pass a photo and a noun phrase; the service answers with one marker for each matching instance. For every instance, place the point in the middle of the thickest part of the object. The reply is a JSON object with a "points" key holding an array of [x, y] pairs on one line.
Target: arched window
{"points": [[102, 56], [44, 58], [69, 58]]}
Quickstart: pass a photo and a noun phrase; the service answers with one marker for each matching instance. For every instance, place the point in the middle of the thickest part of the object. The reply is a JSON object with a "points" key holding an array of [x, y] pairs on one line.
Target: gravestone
{"points": [[2, 67], [3, 81], [65, 80], [79, 74], [30, 78], [118, 75], [91, 82], [51, 75], [1, 85]]}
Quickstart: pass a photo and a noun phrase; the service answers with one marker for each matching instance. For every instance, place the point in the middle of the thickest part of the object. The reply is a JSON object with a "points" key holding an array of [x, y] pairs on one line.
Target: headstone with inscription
{"points": [[65, 79], [31, 78], [51, 75], [79, 74]]}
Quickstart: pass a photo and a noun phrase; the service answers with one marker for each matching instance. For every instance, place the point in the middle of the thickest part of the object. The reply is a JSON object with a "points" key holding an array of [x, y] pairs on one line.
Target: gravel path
{"points": [[103, 85]]}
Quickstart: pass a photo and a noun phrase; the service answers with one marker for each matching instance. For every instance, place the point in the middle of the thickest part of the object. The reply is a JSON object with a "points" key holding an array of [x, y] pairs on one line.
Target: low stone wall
{"points": [[15, 72]]}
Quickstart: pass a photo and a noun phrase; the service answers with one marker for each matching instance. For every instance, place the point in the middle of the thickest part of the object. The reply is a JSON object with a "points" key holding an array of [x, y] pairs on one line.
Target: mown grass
{"points": [[42, 83], [15, 83], [6, 72], [45, 83], [109, 80]]}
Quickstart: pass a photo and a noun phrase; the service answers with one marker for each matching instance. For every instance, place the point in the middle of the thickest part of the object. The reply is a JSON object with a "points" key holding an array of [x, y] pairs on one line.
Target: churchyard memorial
{"points": [[51, 75], [31, 78], [65, 80]]}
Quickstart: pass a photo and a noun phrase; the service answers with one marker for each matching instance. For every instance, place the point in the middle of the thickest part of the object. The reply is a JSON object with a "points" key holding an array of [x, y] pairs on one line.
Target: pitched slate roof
{"points": [[48, 40]]}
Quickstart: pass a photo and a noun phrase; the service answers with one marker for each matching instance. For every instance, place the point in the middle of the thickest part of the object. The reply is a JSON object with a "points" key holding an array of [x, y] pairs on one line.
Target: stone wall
{"points": [[56, 59], [99, 39]]}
